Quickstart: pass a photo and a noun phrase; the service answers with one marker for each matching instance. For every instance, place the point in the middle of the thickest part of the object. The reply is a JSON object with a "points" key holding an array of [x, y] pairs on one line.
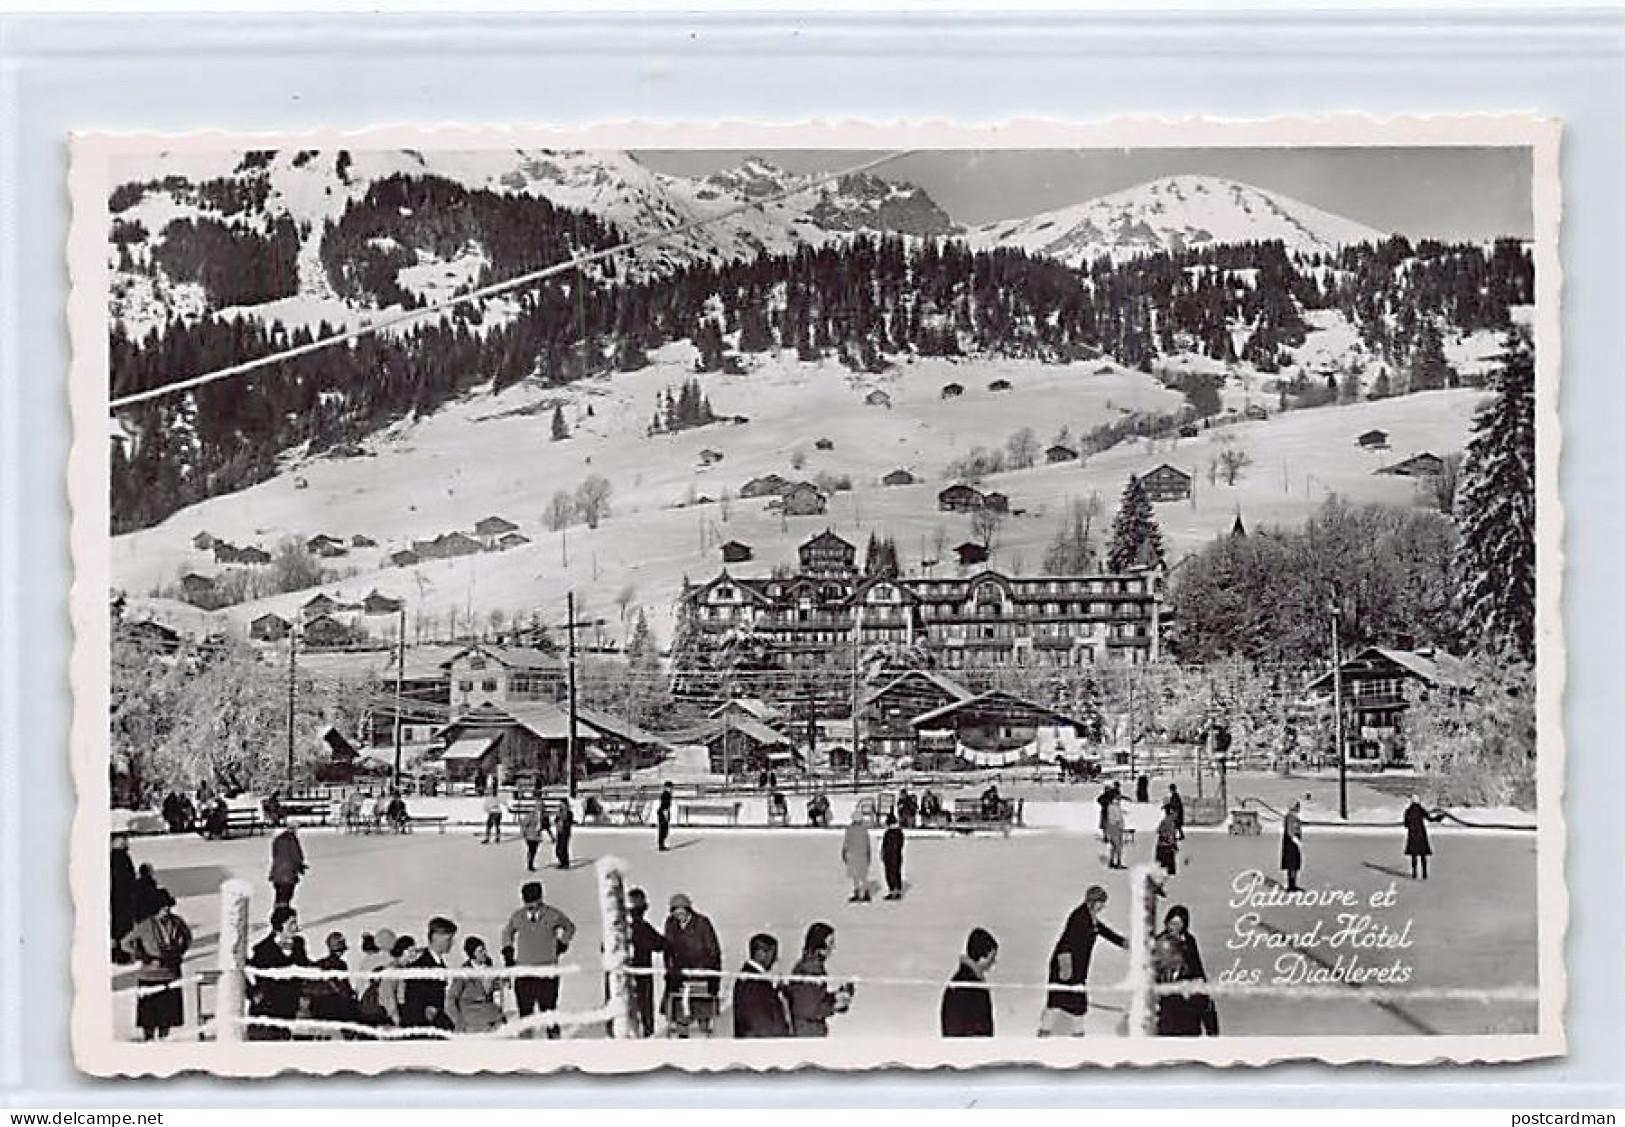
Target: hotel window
{"points": [[488, 685]]}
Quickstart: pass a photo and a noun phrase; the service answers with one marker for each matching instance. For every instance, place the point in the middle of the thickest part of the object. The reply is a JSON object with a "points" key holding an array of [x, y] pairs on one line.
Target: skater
{"points": [[891, 857], [1168, 842], [646, 942], [663, 816], [855, 856], [535, 936], [967, 1003], [1142, 789], [758, 1003], [1292, 846], [1417, 846], [423, 1001], [533, 829], [493, 816], [1116, 825], [812, 1003], [158, 944], [1176, 803], [1105, 801], [1065, 1008], [908, 808], [1175, 957], [561, 833], [693, 969], [287, 863], [276, 997], [121, 888]]}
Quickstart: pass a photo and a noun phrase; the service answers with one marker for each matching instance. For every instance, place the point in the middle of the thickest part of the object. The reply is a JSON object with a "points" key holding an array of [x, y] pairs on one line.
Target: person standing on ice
{"points": [[855, 856], [1066, 1006], [1417, 846], [891, 857], [1168, 842], [562, 831], [663, 816], [1292, 846]]}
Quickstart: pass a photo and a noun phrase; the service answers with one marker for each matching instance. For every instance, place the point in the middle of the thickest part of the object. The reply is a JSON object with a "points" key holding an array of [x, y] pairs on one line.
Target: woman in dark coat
{"points": [[1175, 957], [159, 943], [562, 830], [121, 895], [1417, 846], [1168, 842], [1292, 846], [811, 1002]]}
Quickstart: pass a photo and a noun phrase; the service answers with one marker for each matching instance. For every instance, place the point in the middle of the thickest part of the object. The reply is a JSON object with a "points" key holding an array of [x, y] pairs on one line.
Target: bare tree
{"points": [[985, 524], [561, 511], [1022, 448], [592, 499], [1232, 461]]}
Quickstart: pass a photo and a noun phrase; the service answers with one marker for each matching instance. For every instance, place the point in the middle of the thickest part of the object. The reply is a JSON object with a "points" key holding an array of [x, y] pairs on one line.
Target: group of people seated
{"points": [[367, 812]]}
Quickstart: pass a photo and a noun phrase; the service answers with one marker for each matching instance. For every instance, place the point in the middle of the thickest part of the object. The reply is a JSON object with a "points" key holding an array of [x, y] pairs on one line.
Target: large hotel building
{"points": [[971, 621]]}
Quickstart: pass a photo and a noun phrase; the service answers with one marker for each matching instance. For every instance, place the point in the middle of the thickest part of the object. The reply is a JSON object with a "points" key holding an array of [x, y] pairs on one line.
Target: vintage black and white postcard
{"points": [[828, 596]]}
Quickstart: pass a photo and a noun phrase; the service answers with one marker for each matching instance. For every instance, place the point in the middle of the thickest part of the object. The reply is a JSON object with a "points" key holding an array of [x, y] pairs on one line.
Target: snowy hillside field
{"points": [[493, 456]]}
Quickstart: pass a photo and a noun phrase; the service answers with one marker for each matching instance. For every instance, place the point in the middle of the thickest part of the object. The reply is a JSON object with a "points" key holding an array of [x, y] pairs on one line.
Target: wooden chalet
{"points": [[887, 711], [1167, 483], [1425, 464], [492, 527], [877, 398], [404, 557], [1190, 430], [361, 541], [1257, 412], [325, 546], [1373, 440], [446, 546], [898, 477], [1376, 684], [511, 540], [999, 385], [952, 390], [992, 729], [827, 555], [752, 708], [769, 485], [485, 673], [203, 541], [196, 586], [824, 444], [971, 553], [375, 603], [736, 552], [743, 745], [324, 632], [960, 498], [804, 500], [269, 628], [318, 604], [996, 501], [709, 457], [1059, 453]]}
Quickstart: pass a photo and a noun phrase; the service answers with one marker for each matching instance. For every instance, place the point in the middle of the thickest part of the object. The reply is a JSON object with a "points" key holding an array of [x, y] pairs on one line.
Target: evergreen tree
{"points": [[560, 430], [1429, 369], [1135, 535], [1495, 557]]}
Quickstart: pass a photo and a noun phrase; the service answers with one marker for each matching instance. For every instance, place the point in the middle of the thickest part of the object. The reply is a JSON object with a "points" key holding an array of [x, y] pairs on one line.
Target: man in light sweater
{"points": [[535, 936]]}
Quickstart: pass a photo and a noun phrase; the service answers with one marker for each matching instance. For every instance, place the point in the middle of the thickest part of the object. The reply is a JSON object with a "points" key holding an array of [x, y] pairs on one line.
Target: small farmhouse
{"points": [[804, 500], [960, 498], [999, 385], [1425, 464], [1167, 483], [1060, 453], [952, 390], [877, 399], [898, 477], [971, 553], [1373, 440], [770, 485], [735, 552], [827, 555], [269, 628], [511, 540]]}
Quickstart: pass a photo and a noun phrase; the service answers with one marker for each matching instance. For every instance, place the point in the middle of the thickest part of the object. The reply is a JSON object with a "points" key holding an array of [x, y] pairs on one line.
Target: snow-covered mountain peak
{"points": [[1174, 213]]}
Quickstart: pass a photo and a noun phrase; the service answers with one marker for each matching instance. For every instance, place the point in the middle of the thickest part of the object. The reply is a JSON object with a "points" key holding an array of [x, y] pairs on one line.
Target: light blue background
{"points": [[274, 73]]}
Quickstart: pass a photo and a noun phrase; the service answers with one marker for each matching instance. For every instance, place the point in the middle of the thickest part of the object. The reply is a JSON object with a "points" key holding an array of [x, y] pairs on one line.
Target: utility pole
{"points": [[400, 678], [857, 631], [1337, 713], [293, 674], [570, 743]]}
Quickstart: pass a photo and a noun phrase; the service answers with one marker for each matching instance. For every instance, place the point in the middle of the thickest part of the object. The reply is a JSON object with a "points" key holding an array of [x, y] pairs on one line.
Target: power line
{"points": [[576, 262]]}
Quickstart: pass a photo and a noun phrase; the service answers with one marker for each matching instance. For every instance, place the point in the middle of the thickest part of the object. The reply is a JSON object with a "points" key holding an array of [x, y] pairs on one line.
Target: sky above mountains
{"points": [[1443, 193]]}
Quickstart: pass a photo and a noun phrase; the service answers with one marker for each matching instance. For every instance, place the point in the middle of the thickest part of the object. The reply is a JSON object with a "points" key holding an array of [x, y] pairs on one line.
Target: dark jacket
{"points": [[333, 999], [423, 994], [276, 997], [1416, 831], [663, 809], [811, 1003], [121, 891], [692, 948], [1077, 941], [758, 1005], [1182, 1015], [967, 1004], [646, 943], [1176, 804], [287, 858], [891, 846]]}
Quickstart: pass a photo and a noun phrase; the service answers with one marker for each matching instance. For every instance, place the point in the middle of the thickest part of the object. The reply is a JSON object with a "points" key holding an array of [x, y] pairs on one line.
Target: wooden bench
{"points": [[246, 820], [438, 821], [688, 811], [307, 810]]}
